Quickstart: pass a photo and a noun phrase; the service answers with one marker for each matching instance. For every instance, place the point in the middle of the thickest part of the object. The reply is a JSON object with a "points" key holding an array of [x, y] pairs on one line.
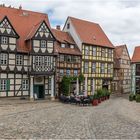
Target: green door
{"points": [[39, 90]]}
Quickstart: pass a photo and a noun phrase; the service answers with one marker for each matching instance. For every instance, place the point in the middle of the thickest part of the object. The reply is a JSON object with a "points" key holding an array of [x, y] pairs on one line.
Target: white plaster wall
{"points": [[73, 33]]}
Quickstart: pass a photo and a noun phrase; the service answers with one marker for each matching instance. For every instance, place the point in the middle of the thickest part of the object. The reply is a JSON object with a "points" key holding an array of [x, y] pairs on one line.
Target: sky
{"points": [[120, 19]]}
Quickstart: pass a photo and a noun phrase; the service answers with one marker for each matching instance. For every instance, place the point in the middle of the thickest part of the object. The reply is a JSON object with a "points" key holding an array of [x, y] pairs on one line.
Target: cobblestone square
{"points": [[114, 118]]}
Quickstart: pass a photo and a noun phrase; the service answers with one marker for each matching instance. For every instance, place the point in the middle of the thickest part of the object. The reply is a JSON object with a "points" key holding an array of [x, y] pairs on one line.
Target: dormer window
{"points": [[68, 26], [63, 45], [4, 40], [72, 46], [43, 44]]}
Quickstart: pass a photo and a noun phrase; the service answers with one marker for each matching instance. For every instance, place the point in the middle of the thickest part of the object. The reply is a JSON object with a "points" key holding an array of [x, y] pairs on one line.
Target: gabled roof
{"points": [[136, 55], [23, 21], [64, 37], [118, 51], [90, 33], [33, 30], [16, 34]]}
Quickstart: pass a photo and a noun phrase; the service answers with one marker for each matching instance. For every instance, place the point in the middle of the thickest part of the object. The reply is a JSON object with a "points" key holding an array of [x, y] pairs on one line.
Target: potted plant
{"points": [[108, 95], [95, 100], [99, 93]]}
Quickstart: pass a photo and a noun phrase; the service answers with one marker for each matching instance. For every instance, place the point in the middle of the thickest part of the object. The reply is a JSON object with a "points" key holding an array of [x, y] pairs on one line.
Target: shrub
{"points": [[65, 86], [138, 98], [131, 97], [99, 93], [95, 96]]}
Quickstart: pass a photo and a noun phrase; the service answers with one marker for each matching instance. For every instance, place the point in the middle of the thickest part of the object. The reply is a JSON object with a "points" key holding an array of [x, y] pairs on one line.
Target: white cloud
{"points": [[119, 19]]}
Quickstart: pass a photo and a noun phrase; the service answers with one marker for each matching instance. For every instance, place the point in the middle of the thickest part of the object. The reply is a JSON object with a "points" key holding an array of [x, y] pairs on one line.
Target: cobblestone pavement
{"points": [[115, 118]]}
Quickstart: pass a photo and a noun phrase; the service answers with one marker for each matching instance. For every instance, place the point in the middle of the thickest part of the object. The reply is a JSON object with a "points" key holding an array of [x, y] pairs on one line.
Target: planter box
{"points": [[102, 99], [95, 102]]}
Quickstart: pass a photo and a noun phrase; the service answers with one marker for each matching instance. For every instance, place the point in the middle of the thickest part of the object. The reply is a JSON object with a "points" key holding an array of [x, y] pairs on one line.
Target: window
{"points": [[61, 72], [109, 68], [4, 84], [68, 26], [86, 51], [103, 52], [61, 58], [25, 84], [3, 58], [86, 67], [102, 68], [67, 72], [75, 72], [48, 61], [120, 61], [43, 44], [94, 67], [63, 45], [72, 46], [38, 60], [68, 58], [110, 53], [19, 59], [4, 40], [94, 51]]}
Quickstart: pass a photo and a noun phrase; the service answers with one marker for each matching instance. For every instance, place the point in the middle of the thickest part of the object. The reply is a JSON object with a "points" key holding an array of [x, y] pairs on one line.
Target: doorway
{"points": [[39, 91], [105, 84]]}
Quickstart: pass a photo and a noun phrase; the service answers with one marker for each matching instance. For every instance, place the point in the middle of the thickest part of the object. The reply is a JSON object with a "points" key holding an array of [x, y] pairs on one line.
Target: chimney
{"points": [[20, 7], [58, 27]]}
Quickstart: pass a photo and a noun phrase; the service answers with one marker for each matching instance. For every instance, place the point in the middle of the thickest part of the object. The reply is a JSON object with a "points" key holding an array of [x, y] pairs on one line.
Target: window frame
{"points": [[3, 58], [3, 84], [102, 68], [94, 51], [61, 71], [94, 67], [86, 67], [75, 72], [68, 72], [19, 59], [63, 45], [25, 84], [43, 44], [4, 40]]}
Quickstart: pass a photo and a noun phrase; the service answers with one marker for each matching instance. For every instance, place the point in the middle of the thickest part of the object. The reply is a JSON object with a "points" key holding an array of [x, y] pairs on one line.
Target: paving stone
{"points": [[116, 118]]}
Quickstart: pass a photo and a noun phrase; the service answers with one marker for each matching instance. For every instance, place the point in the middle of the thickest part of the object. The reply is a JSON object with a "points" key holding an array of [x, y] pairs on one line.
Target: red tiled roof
{"points": [[64, 37], [23, 22], [136, 55], [118, 51], [91, 33]]}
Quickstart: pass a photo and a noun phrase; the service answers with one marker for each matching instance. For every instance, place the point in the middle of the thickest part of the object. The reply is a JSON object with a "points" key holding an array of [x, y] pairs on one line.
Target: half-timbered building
{"points": [[97, 53], [122, 70], [135, 66], [27, 58], [69, 57]]}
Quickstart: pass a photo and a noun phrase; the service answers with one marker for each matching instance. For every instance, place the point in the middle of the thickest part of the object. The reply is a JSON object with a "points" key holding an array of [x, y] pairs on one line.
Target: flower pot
{"points": [[103, 98], [95, 102], [99, 100]]}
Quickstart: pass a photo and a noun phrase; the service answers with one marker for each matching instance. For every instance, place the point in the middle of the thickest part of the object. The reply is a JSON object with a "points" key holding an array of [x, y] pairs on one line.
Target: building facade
{"points": [[135, 65], [122, 70], [27, 58], [97, 53], [69, 58]]}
